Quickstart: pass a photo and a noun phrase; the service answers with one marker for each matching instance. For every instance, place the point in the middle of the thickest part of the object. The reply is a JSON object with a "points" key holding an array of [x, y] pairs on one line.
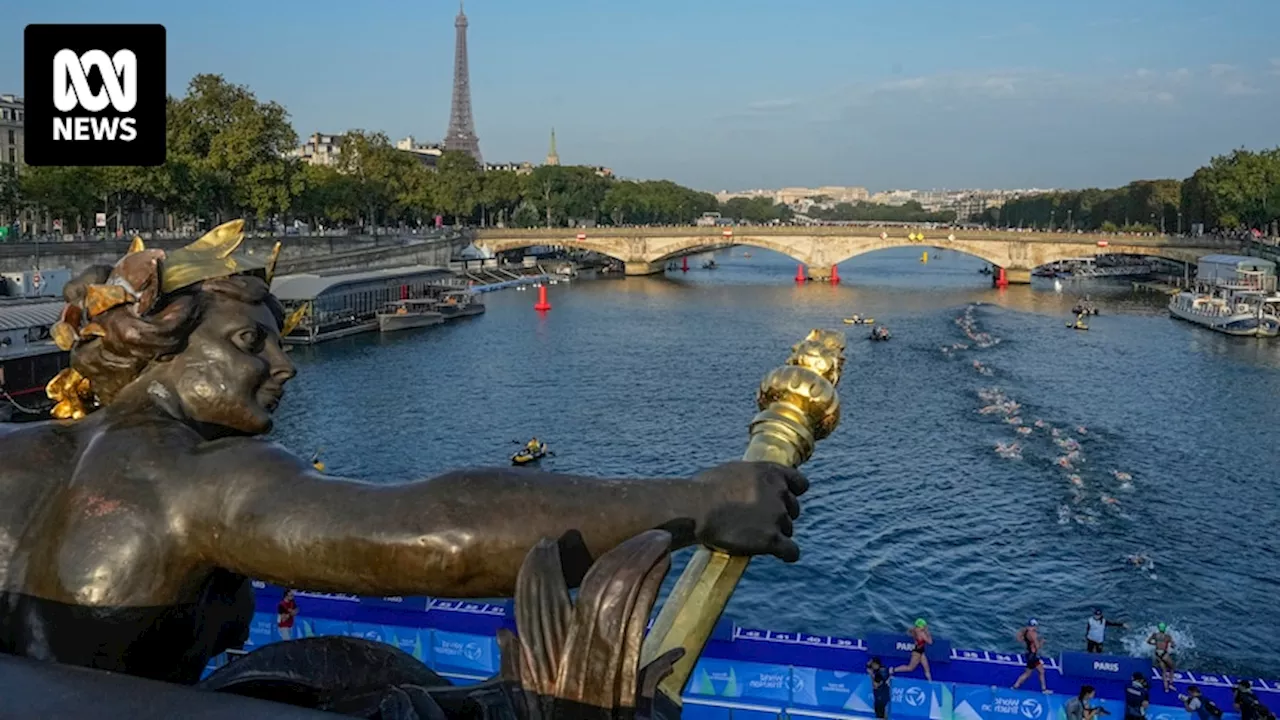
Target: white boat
{"points": [[1234, 294], [1247, 314], [460, 303], [409, 314]]}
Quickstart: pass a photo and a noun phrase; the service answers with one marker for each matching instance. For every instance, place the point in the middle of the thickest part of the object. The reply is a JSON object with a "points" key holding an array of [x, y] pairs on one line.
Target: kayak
{"points": [[1073, 326], [524, 457], [859, 321]]}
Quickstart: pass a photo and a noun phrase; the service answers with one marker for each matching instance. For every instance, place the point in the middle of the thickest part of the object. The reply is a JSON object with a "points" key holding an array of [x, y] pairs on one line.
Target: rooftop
{"points": [[23, 315], [307, 286]]}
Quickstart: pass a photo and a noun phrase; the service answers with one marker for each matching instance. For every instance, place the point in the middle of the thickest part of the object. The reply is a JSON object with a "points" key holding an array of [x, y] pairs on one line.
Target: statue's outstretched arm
{"points": [[265, 513]]}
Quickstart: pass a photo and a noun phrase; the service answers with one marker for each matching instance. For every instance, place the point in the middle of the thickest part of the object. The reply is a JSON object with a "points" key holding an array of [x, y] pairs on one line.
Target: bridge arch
{"points": [[605, 246], [669, 251]]}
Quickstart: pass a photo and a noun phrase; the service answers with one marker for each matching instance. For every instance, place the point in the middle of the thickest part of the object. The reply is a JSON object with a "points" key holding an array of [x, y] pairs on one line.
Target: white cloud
{"points": [[1220, 69], [1240, 87]]}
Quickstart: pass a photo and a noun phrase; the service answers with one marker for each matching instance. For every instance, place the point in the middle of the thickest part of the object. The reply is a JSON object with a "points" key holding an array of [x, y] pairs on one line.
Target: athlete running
{"points": [[1163, 643], [1030, 636], [920, 634]]}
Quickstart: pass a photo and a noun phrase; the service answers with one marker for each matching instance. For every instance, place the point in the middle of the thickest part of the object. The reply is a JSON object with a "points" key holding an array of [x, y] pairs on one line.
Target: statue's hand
{"points": [[749, 508]]}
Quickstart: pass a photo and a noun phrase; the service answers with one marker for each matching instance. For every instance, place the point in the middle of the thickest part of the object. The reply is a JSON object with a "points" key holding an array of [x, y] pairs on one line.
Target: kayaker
{"points": [[1163, 643], [923, 639], [533, 446], [1030, 636]]}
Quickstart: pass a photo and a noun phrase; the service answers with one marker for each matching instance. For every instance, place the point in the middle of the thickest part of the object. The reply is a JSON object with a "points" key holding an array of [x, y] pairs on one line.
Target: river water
{"points": [[1168, 512]]}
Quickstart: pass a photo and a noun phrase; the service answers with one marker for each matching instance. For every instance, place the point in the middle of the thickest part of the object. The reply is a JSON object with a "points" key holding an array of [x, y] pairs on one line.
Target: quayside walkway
{"points": [[765, 674]]}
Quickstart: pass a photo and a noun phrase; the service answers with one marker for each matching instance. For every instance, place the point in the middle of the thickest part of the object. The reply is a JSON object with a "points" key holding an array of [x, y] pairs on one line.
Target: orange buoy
{"points": [[800, 274], [542, 305], [835, 274]]}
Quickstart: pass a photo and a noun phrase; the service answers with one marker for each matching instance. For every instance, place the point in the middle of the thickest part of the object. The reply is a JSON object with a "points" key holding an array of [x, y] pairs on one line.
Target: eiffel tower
{"points": [[462, 126]]}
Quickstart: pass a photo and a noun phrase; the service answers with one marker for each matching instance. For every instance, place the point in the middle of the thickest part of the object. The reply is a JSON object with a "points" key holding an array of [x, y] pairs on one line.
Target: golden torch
{"points": [[798, 407]]}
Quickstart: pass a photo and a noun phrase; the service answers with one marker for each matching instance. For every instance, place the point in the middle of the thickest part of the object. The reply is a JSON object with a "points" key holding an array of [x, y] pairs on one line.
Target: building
{"points": [[347, 303], [427, 153], [320, 149], [520, 168], [553, 158], [12, 120]]}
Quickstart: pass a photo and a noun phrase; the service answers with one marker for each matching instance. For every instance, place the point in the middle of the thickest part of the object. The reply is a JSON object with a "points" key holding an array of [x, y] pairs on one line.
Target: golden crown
{"points": [[142, 277]]}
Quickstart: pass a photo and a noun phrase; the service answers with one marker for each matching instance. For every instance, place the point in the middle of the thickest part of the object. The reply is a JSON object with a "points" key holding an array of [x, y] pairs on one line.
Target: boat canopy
{"points": [[1241, 263]]}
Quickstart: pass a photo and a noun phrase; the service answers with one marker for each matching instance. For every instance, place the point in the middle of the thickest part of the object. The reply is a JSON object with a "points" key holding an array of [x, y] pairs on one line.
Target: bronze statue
{"points": [[129, 526]]}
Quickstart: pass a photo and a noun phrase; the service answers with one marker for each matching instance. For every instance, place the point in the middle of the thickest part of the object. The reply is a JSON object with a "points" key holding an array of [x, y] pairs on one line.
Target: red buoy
{"points": [[835, 274], [684, 264], [1002, 280], [800, 274], [542, 305]]}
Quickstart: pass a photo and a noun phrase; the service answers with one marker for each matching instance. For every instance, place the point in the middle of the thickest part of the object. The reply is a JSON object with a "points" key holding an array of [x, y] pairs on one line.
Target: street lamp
{"points": [[1071, 225], [1053, 214], [1179, 222]]}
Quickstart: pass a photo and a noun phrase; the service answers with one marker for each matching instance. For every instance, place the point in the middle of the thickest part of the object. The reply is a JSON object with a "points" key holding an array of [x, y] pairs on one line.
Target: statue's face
{"points": [[233, 371]]}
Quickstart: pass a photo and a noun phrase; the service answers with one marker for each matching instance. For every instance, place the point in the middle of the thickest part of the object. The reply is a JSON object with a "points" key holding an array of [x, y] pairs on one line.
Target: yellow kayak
{"points": [[524, 457]]}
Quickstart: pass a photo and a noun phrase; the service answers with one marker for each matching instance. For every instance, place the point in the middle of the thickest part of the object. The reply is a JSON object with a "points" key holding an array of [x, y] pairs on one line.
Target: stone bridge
{"points": [[647, 250]]}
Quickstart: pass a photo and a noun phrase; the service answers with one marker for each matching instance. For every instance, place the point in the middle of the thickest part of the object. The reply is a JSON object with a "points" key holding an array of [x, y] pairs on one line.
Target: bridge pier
{"points": [[640, 267], [1017, 277]]}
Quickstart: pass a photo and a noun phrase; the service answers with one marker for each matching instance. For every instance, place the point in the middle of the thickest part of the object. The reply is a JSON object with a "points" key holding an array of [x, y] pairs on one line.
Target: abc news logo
{"points": [[71, 91], [95, 95]]}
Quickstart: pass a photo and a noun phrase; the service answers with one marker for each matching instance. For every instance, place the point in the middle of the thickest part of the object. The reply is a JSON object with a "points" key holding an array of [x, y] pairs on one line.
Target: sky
{"points": [[740, 94]]}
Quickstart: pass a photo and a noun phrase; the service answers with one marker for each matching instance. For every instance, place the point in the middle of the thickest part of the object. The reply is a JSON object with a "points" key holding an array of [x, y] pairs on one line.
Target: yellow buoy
{"points": [[924, 256]]}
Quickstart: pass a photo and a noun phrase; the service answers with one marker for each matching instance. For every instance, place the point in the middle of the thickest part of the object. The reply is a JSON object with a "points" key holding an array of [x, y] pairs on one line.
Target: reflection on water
{"points": [[913, 510]]}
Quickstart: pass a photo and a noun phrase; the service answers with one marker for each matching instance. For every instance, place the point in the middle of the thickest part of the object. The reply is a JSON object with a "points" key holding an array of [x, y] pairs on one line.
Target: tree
{"points": [[236, 148], [500, 192], [457, 184], [9, 193]]}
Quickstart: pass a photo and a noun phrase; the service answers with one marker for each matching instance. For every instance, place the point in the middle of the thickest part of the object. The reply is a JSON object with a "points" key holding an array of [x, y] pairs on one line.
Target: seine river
{"points": [[1168, 511]]}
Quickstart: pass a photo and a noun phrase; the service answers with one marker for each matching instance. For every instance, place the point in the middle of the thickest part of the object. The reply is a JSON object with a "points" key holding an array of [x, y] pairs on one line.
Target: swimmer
{"points": [[1013, 420], [1076, 480], [1122, 476], [920, 634], [1030, 636], [1064, 463], [1080, 429], [1054, 432], [1163, 643], [1108, 499], [1039, 423], [1024, 430]]}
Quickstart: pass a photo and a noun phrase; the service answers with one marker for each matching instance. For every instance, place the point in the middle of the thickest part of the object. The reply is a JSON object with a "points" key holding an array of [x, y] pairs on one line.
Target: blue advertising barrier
{"points": [[976, 702], [920, 699], [831, 690], [900, 646], [754, 683], [473, 655], [1104, 667]]}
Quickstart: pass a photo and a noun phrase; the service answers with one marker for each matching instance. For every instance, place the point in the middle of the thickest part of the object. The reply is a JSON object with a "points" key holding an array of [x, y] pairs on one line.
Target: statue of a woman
{"points": [[129, 527]]}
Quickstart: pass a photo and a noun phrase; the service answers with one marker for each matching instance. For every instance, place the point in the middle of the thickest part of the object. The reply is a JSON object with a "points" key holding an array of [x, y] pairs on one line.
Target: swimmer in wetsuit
{"points": [[1030, 636], [1163, 643], [920, 634]]}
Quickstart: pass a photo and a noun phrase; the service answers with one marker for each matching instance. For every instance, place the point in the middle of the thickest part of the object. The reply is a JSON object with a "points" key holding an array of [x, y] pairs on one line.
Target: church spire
{"points": [[552, 157]]}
